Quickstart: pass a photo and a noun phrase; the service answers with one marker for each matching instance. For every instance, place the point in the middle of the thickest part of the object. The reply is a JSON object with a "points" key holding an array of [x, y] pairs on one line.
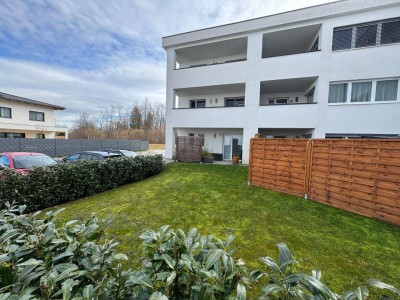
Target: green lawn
{"points": [[347, 248]]}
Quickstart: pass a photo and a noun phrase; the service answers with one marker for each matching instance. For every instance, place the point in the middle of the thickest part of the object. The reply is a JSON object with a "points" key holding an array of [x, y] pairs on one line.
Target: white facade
{"points": [[26, 118], [287, 59]]}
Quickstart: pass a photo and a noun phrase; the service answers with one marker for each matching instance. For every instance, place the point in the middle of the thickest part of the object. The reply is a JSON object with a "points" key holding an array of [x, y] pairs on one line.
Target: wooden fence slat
{"points": [[358, 175]]}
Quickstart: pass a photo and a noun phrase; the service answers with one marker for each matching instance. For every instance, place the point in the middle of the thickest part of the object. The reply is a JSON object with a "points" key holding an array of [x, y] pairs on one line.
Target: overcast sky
{"points": [[89, 55]]}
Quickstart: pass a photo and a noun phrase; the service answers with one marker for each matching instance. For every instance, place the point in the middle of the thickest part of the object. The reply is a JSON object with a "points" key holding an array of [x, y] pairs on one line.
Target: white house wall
{"points": [[329, 66], [213, 138], [20, 123]]}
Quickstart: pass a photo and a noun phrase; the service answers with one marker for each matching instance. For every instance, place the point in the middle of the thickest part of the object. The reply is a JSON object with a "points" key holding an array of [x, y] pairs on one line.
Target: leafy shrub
{"points": [[193, 266], [56, 184], [41, 260]]}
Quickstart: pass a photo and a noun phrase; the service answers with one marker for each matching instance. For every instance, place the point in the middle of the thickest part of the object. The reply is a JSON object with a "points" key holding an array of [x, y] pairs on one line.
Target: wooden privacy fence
{"points": [[358, 175], [188, 148]]}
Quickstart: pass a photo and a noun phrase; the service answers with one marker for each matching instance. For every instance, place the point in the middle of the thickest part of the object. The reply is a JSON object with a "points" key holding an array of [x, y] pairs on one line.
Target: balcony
{"points": [[291, 41], [288, 91], [221, 52], [217, 96]]}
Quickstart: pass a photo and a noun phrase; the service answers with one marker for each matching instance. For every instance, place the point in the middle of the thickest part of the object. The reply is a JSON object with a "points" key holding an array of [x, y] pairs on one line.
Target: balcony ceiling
{"points": [[290, 41], [292, 85], [213, 50], [211, 90]]}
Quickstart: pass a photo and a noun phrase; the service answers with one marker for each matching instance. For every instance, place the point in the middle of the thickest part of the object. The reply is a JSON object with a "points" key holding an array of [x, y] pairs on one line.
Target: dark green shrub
{"points": [[49, 186], [193, 266], [40, 260]]}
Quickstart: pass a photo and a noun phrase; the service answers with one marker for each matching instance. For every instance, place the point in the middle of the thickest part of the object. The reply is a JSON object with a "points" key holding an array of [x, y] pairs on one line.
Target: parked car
{"points": [[122, 152], [90, 155], [21, 161]]}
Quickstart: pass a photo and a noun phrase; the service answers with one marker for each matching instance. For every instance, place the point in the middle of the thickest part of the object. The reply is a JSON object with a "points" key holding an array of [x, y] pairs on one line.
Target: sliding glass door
{"points": [[232, 146]]}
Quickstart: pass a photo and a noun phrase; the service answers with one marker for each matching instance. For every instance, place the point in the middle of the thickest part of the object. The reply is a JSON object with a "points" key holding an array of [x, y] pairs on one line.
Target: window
{"points": [[381, 32], [342, 39], [4, 161], [314, 47], [5, 112], [36, 116], [278, 101], [234, 102], [361, 91], [337, 92], [366, 36], [198, 103], [386, 90], [390, 32], [310, 96], [40, 136], [377, 90], [12, 135]]}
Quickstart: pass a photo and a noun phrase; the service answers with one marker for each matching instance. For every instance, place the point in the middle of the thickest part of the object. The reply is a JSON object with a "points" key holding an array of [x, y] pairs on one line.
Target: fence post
{"points": [[308, 166], [250, 158]]}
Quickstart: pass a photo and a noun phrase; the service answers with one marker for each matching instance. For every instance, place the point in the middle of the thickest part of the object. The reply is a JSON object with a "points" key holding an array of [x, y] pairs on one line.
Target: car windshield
{"points": [[29, 161], [128, 153]]}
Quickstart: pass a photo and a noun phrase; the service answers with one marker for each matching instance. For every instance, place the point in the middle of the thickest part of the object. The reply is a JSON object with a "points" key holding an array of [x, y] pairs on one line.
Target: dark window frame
{"points": [[235, 100], [8, 108], [379, 36], [35, 114], [194, 103]]}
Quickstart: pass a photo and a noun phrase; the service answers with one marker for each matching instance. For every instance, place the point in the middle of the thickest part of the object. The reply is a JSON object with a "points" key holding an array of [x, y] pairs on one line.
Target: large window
{"points": [[390, 32], [377, 90], [12, 135], [198, 103], [386, 90], [36, 116], [232, 102], [366, 35], [342, 39], [361, 91], [5, 112], [338, 93]]}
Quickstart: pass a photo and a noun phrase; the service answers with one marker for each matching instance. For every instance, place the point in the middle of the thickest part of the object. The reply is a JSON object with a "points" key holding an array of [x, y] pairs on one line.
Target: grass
{"points": [[348, 249]]}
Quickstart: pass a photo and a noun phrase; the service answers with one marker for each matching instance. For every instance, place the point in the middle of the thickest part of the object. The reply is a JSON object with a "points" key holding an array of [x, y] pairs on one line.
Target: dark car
{"points": [[90, 155], [126, 153], [21, 161]]}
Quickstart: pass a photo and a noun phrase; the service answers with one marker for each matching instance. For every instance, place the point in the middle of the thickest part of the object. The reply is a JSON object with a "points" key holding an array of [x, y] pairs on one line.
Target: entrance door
{"points": [[232, 146]]}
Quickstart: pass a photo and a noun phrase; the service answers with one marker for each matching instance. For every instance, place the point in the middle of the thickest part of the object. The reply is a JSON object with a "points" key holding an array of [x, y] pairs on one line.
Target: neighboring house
{"points": [[328, 71], [27, 118]]}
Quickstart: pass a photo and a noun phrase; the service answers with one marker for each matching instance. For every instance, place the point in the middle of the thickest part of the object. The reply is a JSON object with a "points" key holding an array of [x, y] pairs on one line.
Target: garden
{"points": [[348, 249]]}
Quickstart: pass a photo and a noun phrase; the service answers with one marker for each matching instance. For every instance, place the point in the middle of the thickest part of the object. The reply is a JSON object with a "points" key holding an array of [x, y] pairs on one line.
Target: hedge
{"points": [[64, 182]]}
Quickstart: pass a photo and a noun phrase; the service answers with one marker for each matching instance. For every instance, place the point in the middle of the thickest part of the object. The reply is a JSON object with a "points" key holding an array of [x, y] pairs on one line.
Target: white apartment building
{"points": [[26, 118], [331, 70]]}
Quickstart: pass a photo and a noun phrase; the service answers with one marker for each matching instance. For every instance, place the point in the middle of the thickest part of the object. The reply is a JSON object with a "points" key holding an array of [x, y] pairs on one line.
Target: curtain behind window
{"points": [[386, 90], [361, 91], [337, 93]]}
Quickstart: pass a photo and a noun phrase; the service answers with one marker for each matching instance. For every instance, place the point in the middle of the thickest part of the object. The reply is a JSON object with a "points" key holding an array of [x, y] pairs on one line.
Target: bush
{"points": [[49, 186], [41, 260]]}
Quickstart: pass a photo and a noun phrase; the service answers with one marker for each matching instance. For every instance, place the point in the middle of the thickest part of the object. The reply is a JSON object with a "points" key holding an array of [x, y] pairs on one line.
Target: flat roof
{"points": [[29, 101], [341, 7]]}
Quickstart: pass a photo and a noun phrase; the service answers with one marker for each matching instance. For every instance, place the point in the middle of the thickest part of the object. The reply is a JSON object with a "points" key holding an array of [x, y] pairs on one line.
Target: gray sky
{"points": [[89, 55]]}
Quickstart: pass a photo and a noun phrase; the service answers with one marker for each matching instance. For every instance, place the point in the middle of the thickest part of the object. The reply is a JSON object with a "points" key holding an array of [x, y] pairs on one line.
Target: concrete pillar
{"points": [[169, 142]]}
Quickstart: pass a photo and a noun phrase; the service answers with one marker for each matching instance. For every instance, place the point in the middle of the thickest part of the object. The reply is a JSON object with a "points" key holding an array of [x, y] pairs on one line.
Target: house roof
{"points": [[29, 101]]}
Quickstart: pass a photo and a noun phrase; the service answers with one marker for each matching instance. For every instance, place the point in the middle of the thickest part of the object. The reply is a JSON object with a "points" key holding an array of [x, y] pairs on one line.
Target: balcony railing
{"points": [[212, 63]]}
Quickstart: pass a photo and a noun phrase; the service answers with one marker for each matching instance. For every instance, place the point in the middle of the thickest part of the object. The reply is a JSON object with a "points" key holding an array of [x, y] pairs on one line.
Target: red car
{"points": [[21, 161]]}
